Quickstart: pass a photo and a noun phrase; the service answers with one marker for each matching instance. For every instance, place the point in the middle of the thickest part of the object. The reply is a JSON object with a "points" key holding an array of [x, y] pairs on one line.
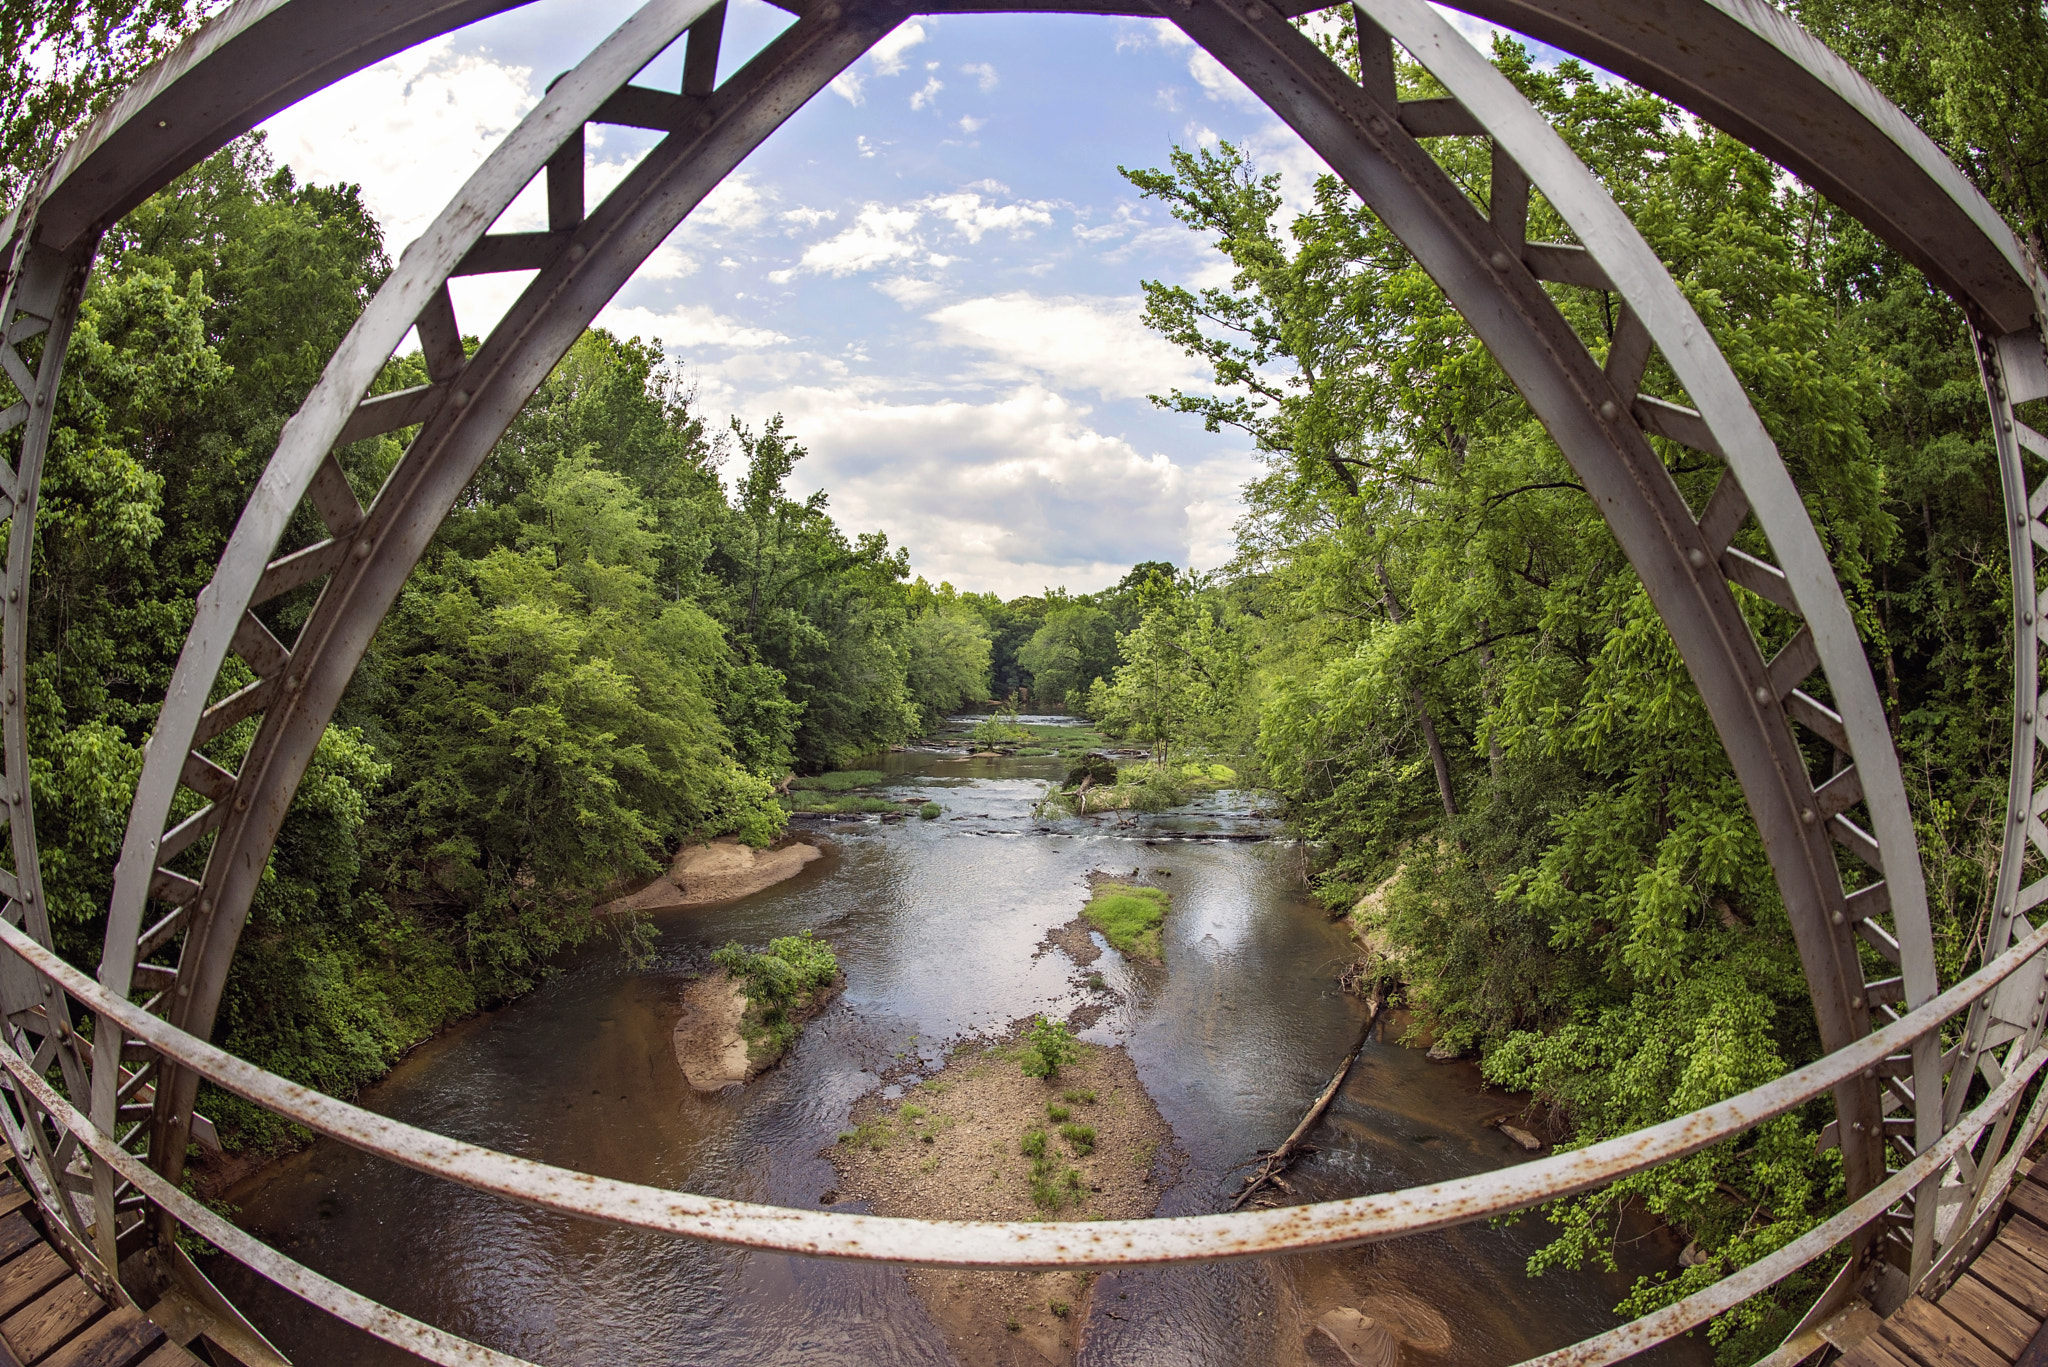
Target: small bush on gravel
{"points": [[1048, 1046]]}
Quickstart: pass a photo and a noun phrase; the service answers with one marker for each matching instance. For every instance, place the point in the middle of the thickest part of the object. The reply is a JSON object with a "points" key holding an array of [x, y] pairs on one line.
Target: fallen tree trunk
{"points": [[1292, 1147]]}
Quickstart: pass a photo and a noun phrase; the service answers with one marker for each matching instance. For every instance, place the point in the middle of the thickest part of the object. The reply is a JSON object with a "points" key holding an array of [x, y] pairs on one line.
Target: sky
{"points": [[932, 271]]}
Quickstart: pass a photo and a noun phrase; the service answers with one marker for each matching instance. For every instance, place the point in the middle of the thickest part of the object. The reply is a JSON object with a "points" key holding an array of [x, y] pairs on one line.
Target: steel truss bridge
{"points": [[1928, 1153]]}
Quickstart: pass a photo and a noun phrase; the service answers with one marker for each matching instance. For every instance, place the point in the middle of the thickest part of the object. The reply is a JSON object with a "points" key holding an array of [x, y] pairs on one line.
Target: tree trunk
{"points": [[1437, 757], [1486, 692]]}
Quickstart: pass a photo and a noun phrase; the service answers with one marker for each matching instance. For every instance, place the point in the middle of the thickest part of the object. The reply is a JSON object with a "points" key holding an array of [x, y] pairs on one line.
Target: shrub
{"points": [[1032, 1144], [1079, 1095], [930, 811], [1048, 1046], [1056, 1112], [793, 968], [1080, 1138]]}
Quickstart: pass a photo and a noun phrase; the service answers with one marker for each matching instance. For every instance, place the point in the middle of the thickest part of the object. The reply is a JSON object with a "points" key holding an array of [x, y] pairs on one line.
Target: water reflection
{"points": [[939, 928]]}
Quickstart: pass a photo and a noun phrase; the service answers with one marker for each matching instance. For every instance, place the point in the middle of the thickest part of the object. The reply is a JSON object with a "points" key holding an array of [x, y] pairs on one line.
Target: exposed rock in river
{"points": [[710, 1036], [723, 871], [708, 1043]]}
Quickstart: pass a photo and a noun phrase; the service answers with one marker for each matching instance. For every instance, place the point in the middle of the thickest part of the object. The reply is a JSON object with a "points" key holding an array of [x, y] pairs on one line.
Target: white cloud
{"points": [[847, 86], [409, 130], [1078, 342], [685, 327], [971, 217], [1010, 494], [667, 263], [879, 235], [928, 94], [737, 203], [970, 124], [889, 56], [804, 217], [983, 73], [1217, 82], [863, 146], [910, 292]]}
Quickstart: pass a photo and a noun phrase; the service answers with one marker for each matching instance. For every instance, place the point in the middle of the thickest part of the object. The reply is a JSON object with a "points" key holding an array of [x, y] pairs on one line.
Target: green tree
{"points": [[1075, 646]]}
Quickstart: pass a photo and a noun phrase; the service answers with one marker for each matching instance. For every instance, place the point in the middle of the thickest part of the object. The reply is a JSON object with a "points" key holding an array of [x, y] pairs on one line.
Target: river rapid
{"points": [[939, 927]]}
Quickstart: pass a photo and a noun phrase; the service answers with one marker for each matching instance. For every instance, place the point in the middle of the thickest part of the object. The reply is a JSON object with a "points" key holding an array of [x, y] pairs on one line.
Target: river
{"points": [[939, 928]]}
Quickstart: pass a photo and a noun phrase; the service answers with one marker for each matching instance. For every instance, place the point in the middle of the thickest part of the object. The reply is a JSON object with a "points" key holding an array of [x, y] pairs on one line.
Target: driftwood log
{"points": [[1280, 1159]]}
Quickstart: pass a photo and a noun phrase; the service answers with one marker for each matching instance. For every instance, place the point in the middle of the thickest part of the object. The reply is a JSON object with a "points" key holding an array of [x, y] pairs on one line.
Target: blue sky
{"points": [[932, 270]]}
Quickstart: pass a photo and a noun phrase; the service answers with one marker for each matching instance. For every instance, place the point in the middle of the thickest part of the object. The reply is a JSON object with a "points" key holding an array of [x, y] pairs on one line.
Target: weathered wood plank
{"points": [[2024, 1236], [13, 1196], [17, 1235], [1875, 1352], [1989, 1316], [29, 1276], [116, 1341], [1936, 1338], [170, 1355], [2018, 1278], [2029, 1200], [51, 1318]]}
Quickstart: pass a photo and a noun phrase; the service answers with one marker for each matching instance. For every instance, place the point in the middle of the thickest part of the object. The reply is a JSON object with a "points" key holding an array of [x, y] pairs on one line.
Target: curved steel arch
{"points": [[1846, 139]]}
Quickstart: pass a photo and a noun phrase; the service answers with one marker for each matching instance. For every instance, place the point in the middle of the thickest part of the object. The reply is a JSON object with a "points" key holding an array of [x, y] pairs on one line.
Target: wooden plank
{"points": [[13, 1196], [51, 1318], [116, 1341], [2029, 1200], [170, 1355], [17, 1235], [1936, 1338], [1875, 1352], [2025, 1237], [2019, 1279], [29, 1276], [1989, 1316]]}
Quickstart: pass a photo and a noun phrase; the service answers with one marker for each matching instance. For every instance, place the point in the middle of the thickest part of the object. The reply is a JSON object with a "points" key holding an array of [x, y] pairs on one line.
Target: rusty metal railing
{"points": [[1007, 1245]]}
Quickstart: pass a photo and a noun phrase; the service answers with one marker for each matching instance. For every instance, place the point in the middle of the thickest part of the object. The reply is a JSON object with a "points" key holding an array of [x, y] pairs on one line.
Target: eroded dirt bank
{"points": [[723, 871], [961, 1146]]}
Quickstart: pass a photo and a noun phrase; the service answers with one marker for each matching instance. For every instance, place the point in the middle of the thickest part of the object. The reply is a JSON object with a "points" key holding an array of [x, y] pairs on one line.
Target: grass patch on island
{"points": [[840, 781], [1129, 917]]}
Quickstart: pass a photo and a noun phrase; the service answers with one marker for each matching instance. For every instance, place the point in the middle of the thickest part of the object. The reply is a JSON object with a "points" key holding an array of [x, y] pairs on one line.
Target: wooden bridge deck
{"points": [[1994, 1313], [50, 1317]]}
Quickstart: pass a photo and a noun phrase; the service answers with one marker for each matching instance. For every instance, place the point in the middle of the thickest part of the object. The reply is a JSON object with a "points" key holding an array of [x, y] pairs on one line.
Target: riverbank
{"points": [[978, 1140], [722, 871]]}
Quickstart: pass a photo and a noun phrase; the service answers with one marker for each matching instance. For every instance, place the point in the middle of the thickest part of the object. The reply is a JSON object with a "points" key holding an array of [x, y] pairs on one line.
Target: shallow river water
{"points": [[938, 927]]}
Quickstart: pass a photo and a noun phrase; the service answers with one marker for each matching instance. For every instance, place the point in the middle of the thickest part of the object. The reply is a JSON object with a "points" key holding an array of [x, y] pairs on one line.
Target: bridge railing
{"points": [[64, 1155]]}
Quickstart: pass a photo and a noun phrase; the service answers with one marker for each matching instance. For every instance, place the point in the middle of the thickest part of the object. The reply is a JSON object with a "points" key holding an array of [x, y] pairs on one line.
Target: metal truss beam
{"points": [[1737, 63]]}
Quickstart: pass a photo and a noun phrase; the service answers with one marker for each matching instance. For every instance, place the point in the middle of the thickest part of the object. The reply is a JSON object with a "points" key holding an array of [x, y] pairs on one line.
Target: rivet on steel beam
{"points": [[1763, 694], [1500, 261], [1255, 11], [461, 398], [1856, 1126], [363, 549], [242, 803], [575, 251], [163, 123], [184, 989], [13, 595], [1806, 815], [1856, 1002], [1608, 410], [1377, 126], [1838, 918], [704, 121], [1696, 557]]}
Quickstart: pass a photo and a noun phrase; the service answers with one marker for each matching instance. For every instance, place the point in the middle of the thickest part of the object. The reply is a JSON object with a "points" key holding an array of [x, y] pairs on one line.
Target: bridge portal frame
{"points": [[1737, 63]]}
